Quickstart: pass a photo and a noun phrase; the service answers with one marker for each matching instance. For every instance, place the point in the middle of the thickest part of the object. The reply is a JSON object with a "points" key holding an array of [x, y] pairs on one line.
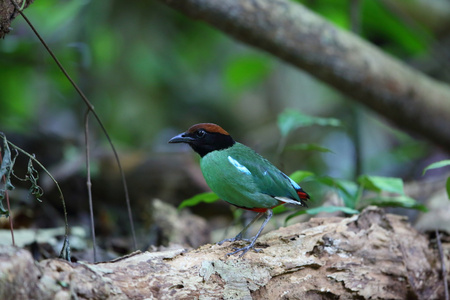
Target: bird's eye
{"points": [[200, 133]]}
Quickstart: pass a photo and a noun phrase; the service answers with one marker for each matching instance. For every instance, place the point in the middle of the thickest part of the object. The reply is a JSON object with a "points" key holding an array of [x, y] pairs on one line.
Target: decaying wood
{"points": [[373, 255]]}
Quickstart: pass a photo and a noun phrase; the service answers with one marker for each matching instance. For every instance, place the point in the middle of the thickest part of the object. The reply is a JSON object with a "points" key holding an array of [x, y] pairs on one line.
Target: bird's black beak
{"points": [[181, 138]]}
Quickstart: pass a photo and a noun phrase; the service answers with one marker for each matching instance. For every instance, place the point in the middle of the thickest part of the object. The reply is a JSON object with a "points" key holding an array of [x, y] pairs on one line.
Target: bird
{"points": [[241, 177]]}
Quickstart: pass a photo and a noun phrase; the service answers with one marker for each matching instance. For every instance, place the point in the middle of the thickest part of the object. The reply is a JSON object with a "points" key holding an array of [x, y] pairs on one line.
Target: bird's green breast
{"points": [[243, 178]]}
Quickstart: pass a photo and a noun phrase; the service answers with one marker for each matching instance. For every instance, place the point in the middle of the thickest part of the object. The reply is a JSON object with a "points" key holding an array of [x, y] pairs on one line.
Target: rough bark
{"points": [[291, 32], [372, 255], [7, 14]]}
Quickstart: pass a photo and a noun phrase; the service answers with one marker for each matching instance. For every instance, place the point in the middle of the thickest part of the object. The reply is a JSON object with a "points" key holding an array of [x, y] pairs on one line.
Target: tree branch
{"points": [[288, 30], [8, 12]]}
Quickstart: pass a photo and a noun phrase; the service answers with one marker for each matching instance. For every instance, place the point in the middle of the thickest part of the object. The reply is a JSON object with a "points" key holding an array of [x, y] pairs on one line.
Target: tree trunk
{"points": [[368, 256]]}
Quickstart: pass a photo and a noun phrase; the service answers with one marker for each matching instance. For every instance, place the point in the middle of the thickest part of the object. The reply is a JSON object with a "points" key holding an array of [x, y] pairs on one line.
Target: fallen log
{"points": [[372, 255]]}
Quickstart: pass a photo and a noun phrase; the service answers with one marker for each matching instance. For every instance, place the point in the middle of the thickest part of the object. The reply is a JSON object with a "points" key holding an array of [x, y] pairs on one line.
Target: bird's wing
{"points": [[267, 178]]}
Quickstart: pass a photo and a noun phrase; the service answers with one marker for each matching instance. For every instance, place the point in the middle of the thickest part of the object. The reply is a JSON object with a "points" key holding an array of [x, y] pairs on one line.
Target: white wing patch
{"points": [[288, 200], [238, 166]]}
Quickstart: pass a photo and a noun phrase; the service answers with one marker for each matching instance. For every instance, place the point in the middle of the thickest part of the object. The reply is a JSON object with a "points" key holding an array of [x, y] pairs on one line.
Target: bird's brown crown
{"points": [[209, 127], [205, 138]]}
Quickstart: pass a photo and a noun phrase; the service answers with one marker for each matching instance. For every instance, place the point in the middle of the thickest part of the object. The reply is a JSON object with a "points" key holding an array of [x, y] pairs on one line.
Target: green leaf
{"points": [[347, 189], [279, 209], [436, 165], [208, 197], [290, 120], [331, 209], [378, 184], [308, 147], [300, 175], [396, 201], [298, 213], [447, 185], [325, 209]]}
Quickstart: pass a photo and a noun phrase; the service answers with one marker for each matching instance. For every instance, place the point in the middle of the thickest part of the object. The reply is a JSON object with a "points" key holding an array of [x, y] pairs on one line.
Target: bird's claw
{"points": [[226, 240], [235, 239], [244, 250]]}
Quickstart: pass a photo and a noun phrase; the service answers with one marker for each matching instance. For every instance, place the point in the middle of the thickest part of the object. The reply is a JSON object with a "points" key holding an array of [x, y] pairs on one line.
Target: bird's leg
{"points": [[253, 240], [239, 236]]}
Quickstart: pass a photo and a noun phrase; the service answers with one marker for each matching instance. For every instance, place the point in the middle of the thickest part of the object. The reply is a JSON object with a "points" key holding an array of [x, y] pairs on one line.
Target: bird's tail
{"points": [[302, 194]]}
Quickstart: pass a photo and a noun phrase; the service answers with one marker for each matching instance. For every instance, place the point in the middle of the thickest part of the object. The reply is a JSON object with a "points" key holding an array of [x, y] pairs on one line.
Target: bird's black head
{"points": [[205, 138]]}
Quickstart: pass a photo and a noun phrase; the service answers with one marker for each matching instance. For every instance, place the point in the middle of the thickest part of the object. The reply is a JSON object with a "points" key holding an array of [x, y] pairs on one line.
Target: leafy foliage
{"points": [[437, 165], [379, 184], [181, 67], [396, 201], [447, 186], [7, 171], [300, 175], [322, 209], [389, 190], [347, 189], [208, 197], [32, 175], [352, 194], [290, 120]]}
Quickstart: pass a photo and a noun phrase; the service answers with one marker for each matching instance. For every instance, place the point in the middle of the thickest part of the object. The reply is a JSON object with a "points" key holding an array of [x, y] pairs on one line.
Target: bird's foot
{"points": [[235, 239], [226, 240], [244, 250]]}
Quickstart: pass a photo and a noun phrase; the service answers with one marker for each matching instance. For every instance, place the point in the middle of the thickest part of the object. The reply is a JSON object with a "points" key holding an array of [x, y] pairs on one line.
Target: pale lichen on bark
{"points": [[372, 255]]}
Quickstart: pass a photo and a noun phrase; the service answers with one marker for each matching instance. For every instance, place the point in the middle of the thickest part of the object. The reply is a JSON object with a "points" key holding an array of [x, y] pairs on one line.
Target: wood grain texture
{"points": [[369, 256]]}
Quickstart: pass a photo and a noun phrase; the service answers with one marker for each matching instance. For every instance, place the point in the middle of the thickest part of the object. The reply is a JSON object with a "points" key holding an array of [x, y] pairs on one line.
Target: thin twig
{"points": [[91, 108], [356, 110], [88, 182], [443, 267], [66, 247], [11, 227]]}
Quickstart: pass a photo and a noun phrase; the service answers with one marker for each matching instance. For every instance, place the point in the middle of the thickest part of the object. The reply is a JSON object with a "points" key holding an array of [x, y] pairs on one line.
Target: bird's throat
{"points": [[220, 142]]}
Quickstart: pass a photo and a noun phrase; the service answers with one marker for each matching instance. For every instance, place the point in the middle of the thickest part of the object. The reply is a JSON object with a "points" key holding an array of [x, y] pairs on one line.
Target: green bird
{"points": [[240, 176]]}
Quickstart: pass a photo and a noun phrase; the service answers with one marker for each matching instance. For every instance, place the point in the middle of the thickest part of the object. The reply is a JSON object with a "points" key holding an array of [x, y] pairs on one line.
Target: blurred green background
{"points": [[148, 69], [151, 73]]}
